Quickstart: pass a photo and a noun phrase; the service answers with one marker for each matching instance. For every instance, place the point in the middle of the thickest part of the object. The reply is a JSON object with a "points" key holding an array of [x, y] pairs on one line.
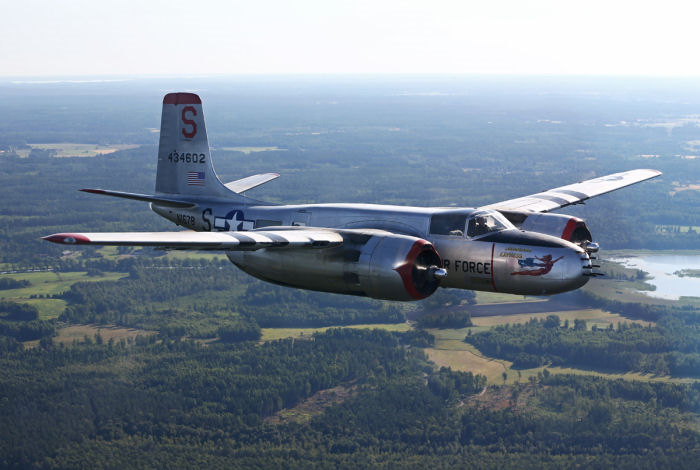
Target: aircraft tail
{"points": [[184, 160]]}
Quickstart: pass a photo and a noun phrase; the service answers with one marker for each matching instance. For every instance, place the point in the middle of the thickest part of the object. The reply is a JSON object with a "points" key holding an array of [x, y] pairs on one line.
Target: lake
{"points": [[661, 268]]}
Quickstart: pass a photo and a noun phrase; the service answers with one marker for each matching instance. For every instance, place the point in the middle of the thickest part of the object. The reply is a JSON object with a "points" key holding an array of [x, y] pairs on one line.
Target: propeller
{"points": [[427, 273]]}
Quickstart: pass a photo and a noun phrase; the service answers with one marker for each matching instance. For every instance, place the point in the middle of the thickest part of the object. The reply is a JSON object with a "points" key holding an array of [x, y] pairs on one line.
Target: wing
{"points": [[574, 193], [189, 240]]}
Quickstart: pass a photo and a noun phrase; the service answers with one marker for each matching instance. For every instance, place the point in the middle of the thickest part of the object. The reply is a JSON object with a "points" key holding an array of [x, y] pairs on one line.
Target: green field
{"points": [[111, 253], [271, 334], [593, 316], [470, 361], [46, 284], [195, 255], [499, 298]]}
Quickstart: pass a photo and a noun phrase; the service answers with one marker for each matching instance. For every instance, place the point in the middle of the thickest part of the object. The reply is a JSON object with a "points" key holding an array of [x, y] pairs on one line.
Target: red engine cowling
{"points": [[398, 268], [370, 263], [563, 226]]}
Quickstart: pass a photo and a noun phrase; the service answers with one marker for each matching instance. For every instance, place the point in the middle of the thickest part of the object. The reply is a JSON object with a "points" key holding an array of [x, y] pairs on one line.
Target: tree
{"points": [[552, 321]]}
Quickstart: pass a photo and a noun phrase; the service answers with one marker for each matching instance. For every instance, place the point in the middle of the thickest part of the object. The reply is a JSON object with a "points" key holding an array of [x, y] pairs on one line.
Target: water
{"points": [[661, 268]]}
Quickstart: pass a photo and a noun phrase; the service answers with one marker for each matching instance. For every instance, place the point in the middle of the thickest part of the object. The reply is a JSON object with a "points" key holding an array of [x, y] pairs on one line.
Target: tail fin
{"points": [[184, 161]]}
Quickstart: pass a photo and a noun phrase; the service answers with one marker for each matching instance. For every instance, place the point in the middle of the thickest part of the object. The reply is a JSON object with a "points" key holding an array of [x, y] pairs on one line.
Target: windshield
{"points": [[451, 223], [485, 222]]}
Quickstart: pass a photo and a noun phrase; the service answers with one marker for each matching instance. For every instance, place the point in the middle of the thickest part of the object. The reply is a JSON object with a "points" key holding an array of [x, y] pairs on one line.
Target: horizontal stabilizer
{"points": [[244, 184], [161, 201], [189, 240]]}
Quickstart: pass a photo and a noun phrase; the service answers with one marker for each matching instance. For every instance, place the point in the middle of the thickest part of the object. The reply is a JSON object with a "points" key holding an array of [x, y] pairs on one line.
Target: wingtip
{"points": [[67, 238]]}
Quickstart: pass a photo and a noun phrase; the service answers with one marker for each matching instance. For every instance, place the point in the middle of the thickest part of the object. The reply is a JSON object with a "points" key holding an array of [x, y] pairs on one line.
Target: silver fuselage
{"points": [[510, 260]]}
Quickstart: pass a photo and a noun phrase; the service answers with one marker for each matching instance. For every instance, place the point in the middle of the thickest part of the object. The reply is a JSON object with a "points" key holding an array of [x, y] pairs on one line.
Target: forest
{"points": [[193, 380], [672, 346], [173, 403]]}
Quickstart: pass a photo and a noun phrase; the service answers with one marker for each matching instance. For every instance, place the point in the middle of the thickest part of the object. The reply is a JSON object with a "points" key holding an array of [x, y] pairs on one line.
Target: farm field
{"points": [[70, 149], [599, 318], [451, 351], [78, 333], [469, 359], [497, 298], [271, 334], [47, 284]]}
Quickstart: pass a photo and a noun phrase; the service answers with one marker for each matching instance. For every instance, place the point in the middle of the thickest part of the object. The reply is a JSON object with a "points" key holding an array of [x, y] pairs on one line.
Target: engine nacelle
{"points": [[563, 226], [370, 263]]}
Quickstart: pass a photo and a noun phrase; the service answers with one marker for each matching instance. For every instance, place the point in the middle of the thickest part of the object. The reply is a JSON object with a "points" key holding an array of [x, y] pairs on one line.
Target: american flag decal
{"points": [[195, 178]]}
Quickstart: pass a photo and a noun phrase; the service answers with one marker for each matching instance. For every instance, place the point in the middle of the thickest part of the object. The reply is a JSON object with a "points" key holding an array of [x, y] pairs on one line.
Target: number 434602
{"points": [[176, 157]]}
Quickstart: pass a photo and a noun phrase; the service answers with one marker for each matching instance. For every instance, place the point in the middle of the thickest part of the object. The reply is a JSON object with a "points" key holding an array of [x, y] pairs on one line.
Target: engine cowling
{"points": [[399, 268], [370, 263], [562, 226]]}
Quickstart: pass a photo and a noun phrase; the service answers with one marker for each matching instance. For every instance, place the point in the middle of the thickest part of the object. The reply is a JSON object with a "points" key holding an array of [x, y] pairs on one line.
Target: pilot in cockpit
{"points": [[481, 226]]}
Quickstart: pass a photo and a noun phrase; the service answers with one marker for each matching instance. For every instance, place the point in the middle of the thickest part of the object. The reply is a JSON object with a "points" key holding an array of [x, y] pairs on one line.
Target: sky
{"points": [[205, 37]]}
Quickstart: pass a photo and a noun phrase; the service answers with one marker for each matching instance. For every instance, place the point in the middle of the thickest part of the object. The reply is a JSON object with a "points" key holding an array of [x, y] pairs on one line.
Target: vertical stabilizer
{"points": [[184, 160]]}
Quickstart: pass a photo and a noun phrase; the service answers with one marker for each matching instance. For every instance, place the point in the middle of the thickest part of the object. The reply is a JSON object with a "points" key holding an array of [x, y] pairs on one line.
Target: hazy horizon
{"points": [[82, 38]]}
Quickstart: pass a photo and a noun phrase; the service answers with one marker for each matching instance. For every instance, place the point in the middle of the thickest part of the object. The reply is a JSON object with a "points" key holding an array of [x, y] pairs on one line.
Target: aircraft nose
{"points": [[586, 268], [576, 269], [588, 265]]}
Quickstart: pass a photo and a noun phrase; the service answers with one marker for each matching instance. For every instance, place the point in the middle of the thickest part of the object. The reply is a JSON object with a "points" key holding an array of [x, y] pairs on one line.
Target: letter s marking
{"points": [[189, 122], [205, 216]]}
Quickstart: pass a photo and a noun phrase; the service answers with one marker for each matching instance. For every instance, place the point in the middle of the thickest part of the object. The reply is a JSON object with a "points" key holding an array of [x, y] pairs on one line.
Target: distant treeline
{"points": [[445, 319], [9, 283], [20, 322]]}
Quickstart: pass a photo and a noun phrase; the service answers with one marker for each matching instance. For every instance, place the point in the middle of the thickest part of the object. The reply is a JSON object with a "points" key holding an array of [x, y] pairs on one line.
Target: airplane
{"points": [[379, 251]]}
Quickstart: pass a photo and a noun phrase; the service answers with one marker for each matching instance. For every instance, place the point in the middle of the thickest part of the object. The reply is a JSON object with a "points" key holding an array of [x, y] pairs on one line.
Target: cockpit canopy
{"points": [[483, 222], [477, 223]]}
